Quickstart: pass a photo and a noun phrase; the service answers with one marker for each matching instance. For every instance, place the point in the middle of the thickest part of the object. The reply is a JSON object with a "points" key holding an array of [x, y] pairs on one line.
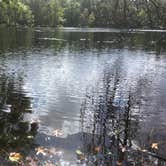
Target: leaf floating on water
{"points": [[16, 157], [97, 149], [57, 133], [80, 155], [78, 152], [119, 163], [41, 150], [154, 146]]}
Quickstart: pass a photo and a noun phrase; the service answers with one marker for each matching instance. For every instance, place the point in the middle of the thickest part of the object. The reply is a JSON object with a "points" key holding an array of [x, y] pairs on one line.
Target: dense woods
{"points": [[84, 13]]}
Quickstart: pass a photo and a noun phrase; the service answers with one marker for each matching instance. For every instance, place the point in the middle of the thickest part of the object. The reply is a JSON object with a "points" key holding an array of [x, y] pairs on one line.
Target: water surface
{"points": [[99, 91]]}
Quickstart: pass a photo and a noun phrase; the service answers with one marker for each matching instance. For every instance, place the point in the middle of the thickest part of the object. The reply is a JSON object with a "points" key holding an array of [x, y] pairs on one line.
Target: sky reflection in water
{"points": [[88, 86]]}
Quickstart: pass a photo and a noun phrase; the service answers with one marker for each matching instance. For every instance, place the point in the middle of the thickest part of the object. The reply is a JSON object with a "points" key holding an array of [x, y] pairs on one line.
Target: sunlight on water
{"points": [[82, 94]]}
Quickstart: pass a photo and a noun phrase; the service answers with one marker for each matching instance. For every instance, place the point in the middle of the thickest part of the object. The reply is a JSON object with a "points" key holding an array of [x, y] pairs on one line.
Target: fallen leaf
{"points": [[57, 133], [78, 152], [118, 163], [97, 149], [154, 146], [80, 155], [41, 150], [16, 157]]}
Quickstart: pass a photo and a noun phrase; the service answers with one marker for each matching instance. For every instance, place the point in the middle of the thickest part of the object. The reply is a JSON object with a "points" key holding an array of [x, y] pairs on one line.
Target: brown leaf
{"points": [[97, 149], [80, 155], [119, 163], [49, 164], [154, 146], [41, 150], [57, 133]]}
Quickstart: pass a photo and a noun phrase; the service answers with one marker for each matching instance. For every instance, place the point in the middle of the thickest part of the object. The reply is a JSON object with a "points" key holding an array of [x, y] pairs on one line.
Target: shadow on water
{"points": [[115, 137], [14, 130]]}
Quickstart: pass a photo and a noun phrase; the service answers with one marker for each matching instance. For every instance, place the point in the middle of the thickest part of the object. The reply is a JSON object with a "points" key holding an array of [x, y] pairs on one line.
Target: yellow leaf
{"points": [[13, 156], [78, 152], [80, 155], [154, 146]]}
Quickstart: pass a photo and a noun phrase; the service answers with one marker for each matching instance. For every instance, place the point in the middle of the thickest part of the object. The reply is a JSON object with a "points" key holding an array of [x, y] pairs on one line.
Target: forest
{"points": [[84, 13]]}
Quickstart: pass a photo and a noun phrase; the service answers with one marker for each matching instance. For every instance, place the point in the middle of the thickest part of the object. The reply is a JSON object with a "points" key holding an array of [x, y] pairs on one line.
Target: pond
{"points": [[76, 96]]}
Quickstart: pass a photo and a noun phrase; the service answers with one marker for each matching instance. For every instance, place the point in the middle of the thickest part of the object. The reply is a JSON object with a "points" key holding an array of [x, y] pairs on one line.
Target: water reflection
{"points": [[14, 131], [103, 91], [115, 115]]}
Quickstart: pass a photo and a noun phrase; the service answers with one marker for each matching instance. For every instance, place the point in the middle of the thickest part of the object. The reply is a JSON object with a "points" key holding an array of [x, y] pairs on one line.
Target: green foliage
{"points": [[84, 17], [93, 13], [91, 19], [47, 13], [14, 12], [55, 15], [72, 13]]}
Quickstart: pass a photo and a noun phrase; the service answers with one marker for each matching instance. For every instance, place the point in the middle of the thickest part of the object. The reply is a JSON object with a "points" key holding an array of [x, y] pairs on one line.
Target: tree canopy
{"points": [[13, 12], [86, 13]]}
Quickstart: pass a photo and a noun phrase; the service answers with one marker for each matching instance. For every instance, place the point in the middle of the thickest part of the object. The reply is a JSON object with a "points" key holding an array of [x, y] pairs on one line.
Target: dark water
{"points": [[99, 91]]}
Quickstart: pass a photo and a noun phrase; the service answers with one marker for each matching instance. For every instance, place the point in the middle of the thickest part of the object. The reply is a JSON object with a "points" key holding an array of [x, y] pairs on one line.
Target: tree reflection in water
{"points": [[113, 137], [109, 128], [15, 133]]}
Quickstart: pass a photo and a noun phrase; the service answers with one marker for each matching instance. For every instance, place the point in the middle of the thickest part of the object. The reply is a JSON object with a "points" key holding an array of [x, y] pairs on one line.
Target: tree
{"points": [[91, 19], [72, 13], [14, 12], [94, 13]]}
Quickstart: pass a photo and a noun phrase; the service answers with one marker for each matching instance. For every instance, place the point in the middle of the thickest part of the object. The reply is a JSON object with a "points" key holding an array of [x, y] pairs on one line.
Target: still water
{"points": [[83, 96]]}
